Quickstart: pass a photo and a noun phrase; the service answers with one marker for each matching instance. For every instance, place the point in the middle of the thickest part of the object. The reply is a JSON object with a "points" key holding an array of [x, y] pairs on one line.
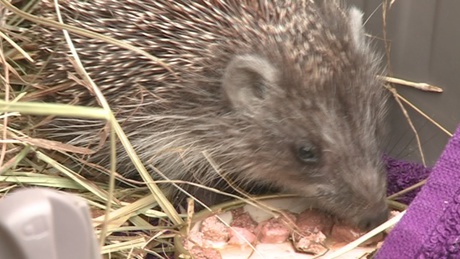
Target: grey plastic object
{"points": [[40, 223], [425, 47]]}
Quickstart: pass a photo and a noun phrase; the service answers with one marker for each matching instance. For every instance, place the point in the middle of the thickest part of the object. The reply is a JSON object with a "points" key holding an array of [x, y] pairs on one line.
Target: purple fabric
{"points": [[431, 226], [403, 174]]}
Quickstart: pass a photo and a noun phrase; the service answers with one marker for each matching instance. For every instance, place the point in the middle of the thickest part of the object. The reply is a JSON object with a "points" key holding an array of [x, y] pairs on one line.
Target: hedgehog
{"points": [[266, 96]]}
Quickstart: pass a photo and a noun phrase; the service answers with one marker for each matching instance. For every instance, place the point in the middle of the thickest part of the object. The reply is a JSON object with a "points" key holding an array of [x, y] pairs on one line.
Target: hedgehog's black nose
{"points": [[373, 219]]}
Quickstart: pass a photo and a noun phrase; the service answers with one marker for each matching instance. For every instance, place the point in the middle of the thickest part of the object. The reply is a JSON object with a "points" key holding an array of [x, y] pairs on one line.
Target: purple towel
{"points": [[403, 174], [431, 226]]}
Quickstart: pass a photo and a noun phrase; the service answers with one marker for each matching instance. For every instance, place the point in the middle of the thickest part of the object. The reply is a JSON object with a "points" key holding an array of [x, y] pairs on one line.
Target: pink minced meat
{"points": [[212, 234], [241, 236], [214, 230], [311, 243], [242, 219], [345, 234], [276, 230], [198, 252], [242, 228], [312, 226], [310, 219]]}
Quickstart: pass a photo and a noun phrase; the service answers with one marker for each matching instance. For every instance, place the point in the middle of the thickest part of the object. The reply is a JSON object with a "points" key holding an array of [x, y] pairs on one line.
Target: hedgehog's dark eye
{"points": [[307, 154]]}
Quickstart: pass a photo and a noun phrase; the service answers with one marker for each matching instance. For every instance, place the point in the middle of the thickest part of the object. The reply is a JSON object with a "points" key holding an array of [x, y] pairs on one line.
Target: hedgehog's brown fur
{"points": [[323, 95]]}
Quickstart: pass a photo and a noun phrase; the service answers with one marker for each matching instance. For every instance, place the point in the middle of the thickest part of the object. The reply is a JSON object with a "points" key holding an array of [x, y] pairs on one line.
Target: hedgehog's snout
{"points": [[373, 217]]}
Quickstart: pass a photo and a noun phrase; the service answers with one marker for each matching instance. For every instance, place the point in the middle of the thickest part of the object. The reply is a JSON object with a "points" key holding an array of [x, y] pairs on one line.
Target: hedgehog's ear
{"points": [[247, 81]]}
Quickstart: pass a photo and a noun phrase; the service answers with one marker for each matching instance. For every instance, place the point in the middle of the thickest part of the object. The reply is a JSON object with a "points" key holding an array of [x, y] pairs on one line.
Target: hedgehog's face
{"points": [[310, 138]]}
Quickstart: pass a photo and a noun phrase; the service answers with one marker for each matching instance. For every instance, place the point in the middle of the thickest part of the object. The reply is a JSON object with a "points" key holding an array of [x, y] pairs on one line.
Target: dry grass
{"points": [[123, 218]]}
